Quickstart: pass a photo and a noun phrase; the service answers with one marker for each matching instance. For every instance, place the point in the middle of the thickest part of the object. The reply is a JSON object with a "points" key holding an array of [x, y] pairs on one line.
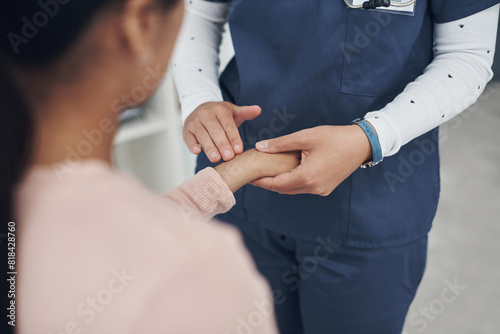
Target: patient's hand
{"points": [[252, 165]]}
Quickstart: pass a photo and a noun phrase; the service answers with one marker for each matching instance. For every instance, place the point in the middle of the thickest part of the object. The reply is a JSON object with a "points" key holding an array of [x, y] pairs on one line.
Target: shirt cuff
{"points": [[214, 181], [388, 133]]}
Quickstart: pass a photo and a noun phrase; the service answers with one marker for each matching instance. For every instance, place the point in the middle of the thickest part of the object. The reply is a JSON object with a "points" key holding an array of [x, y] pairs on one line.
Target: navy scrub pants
{"points": [[321, 287]]}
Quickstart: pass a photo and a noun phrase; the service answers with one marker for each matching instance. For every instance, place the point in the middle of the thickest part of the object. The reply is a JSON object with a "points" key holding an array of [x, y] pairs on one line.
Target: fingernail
{"points": [[227, 154], [262, 145], [236, 147], [195, 149], [213, 156]]}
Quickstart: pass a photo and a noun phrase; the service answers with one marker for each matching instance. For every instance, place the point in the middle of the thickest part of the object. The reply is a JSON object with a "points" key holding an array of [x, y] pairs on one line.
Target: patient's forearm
{"points": [[244, 168], [210, 191], [252, 165]]}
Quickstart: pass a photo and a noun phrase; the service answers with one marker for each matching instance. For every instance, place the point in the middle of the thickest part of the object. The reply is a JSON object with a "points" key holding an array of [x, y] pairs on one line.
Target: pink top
{"points": [[97, 253]]}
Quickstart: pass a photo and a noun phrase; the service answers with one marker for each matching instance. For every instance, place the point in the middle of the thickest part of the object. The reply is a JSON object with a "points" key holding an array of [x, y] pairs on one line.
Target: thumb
{"points": [[246, 113], [288, 143]]}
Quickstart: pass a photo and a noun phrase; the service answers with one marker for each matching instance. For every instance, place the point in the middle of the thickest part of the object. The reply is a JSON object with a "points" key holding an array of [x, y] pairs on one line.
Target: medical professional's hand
{"points": [[214, 126], [329, 155], [252, 165]]}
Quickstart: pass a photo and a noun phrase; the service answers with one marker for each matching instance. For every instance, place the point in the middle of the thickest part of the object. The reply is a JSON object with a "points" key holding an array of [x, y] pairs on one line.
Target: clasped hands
{"points": [[310, 161]]}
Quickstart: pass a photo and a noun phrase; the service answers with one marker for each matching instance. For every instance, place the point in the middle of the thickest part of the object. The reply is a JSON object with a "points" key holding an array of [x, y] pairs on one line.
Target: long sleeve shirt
{"points": [[98, 253], [463, 56]]}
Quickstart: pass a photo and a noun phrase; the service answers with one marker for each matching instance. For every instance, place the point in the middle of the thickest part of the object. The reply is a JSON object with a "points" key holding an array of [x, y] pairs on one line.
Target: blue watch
{"points": [[374, 142]]}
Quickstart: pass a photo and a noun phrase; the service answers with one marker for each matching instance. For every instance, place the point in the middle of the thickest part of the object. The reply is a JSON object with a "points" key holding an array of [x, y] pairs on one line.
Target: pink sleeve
{"points": [[206, 194]]}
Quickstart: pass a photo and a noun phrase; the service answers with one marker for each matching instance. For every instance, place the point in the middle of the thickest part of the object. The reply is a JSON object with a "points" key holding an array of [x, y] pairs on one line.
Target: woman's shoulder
{"points": [[90, 186], [99, 229], [92, 195], [117, 215]]}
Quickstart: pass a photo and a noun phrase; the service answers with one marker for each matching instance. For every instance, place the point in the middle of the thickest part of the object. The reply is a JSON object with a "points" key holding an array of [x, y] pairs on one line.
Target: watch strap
{"points": [[374, 142]]}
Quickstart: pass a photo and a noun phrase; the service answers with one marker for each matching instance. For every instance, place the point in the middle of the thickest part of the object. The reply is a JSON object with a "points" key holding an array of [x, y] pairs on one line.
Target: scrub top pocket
{"points": [[377, 56]]}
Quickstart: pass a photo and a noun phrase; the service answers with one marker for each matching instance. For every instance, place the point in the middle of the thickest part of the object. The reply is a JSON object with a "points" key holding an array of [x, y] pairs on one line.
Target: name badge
{"points": [[403, 7]]}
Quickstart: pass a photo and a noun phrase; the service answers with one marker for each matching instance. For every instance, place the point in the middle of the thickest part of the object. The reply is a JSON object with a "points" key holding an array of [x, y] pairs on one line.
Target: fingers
{"points": [[232, 133], [212, 125], [268, 183], [297, 191], [219, 138], [207, 144], [191, 142], [298, 181], [282, 183], [242, 114], [293, 142]]}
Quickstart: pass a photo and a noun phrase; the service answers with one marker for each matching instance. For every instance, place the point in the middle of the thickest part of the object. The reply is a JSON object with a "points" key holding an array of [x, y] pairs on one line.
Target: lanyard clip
{"points": [[374, 4]]}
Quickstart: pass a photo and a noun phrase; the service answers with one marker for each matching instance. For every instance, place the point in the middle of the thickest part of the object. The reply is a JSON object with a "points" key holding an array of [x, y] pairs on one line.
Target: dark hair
{"points": [[32, 33], [15, 132]]}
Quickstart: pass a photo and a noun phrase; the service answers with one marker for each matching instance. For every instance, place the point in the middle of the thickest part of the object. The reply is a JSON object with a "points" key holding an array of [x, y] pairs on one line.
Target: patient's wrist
{"points": [[252, 165], [244, 168]]}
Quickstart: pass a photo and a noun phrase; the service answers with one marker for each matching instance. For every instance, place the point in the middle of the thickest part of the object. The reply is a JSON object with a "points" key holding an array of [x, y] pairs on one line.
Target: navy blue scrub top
{"points": [[318, 62]]}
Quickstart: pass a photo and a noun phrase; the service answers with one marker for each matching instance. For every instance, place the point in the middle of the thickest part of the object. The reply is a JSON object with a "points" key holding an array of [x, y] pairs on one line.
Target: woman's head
{"points": [[79, 61], [65, 65], [56, 41]]}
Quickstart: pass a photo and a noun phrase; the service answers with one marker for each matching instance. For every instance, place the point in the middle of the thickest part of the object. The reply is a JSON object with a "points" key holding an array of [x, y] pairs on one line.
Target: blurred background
{"points": [[464, 244], [460, 291]]}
